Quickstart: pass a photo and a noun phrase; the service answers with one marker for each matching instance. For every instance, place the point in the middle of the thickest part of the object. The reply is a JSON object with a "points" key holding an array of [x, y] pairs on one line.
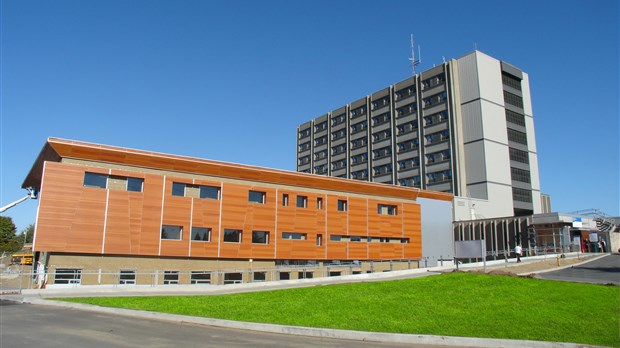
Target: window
{"points": [[335, 238], [521, 175], [521, 195], [515, 118], [355, 239], [210, 192], [385, 209], [517, 137], [319, 239], [260, 237], [256, 197], [201, 234], [200, 277], [127, 277], [319, 203], [259, 276], [95, 180], [232, 236], [511, 81], [171, 232], [284, 275], [135, 184], [305, 275], [178, 189], [285, 200], [293, 236], [519, 156], [304, 133], [302, 201], [171, 277], [233, 278], [68, 276], [342, 205], [513, 99]]}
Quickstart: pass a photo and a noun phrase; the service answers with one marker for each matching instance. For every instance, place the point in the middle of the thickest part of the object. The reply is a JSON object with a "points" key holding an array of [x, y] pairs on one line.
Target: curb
{"points": [[312, 332]]}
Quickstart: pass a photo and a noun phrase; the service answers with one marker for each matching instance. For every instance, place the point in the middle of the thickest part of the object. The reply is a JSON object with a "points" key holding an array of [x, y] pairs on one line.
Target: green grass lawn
{"points": [[454, 304]]}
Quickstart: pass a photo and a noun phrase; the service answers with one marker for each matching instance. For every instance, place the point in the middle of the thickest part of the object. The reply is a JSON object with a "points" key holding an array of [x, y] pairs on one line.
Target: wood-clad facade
{"points": [[146, 204]]}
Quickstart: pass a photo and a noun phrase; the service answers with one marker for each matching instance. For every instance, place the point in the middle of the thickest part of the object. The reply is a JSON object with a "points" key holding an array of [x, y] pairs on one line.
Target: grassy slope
{"points": [[456, 304]]}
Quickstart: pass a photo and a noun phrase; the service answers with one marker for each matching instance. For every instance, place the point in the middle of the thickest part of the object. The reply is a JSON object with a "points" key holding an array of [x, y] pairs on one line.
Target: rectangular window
{"points": [[260, 237], [355, 238], [202, 234], [302, 201], [517, 137], [256, 197], [210, 192], [521, 195], [171, 232], [232, 236], [385, 209], [233, 278], [171, 277], [319, 239], [95, 180], [342, 205], [305, 275], [335, 238], [259, 276], [519, 156], [178, 189], [135, 184], [294, 236], [127, 278], [521, 175], [284, 275], [319, 203], [68, 276], [200, 277], [285, 200]]}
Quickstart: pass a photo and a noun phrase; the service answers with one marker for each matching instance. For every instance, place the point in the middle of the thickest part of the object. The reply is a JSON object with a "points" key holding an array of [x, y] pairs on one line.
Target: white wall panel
{"points": [[471, 121], [468, 78], [485, 208], [490, 76], [531, 134], [474, 162], [497, 163], [534, 171], [527, 99], [494, 122]]}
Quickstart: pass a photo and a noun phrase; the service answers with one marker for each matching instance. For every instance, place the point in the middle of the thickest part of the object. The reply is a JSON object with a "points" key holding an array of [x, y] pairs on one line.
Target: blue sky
{"points": [[231, 80]]}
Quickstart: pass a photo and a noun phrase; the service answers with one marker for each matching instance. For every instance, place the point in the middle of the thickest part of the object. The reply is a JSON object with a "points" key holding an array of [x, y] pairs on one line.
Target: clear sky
{"points": [[231, 80]]}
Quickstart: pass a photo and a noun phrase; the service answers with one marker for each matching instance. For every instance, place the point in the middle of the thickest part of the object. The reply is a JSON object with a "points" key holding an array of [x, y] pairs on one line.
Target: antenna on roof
{"points": [[415, 62]]}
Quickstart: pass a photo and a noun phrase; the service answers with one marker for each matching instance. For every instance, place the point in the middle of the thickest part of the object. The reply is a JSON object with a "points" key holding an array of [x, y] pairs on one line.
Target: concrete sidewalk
{"points": [[42, 297]]}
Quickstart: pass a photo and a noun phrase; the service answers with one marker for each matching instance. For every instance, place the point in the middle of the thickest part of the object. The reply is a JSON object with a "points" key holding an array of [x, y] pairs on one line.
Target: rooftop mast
{"points": [[414, 62]]}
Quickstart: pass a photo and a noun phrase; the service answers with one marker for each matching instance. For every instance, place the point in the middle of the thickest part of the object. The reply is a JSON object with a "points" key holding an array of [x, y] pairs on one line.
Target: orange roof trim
{"points": [[56, 149]]}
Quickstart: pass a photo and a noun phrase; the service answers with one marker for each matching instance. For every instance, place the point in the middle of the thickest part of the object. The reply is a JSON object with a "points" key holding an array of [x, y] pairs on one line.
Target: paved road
{"points": [[24, 325], [605, 270]]}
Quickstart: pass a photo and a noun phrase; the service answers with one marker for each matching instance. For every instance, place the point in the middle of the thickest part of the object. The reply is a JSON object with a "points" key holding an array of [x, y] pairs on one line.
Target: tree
{"points": [[8, 240], [29, 233]]}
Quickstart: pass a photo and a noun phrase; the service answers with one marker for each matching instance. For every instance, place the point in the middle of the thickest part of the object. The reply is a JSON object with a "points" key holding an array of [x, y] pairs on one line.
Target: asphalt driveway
{"points": [[605, 270]]}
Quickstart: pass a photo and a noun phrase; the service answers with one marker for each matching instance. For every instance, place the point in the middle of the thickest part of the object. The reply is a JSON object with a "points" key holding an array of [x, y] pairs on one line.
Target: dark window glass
{"points": [[95, 180], [211, 192], [232, 236], [178, 189], [260, 237], [134, 184], [171, 232], [201, 234], [342, 205], [256, 197]]}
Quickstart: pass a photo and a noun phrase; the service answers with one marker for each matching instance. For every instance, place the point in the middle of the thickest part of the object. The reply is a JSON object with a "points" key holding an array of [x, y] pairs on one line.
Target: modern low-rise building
{"points": [[464, 127], [111, 215]]}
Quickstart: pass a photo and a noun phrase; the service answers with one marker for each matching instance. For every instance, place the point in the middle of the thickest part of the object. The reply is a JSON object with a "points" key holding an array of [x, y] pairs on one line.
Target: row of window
{"points": [[129, 277], [511, 81], [435, 99], [517, 137], [515, 118], [113, 182], [433, 81], [343, 238], [195, 191], [436, 118]]}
